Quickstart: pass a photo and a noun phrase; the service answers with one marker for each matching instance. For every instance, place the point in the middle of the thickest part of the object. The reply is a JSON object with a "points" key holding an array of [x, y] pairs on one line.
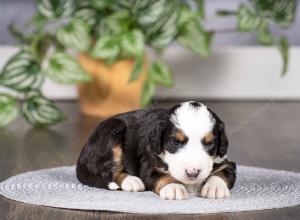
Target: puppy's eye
{"points": [[175, 142], [209, 145]]}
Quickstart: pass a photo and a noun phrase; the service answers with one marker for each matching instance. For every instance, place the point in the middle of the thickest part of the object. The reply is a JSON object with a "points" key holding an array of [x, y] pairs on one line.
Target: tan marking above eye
{"points": [[208, 138], [180, 135]]}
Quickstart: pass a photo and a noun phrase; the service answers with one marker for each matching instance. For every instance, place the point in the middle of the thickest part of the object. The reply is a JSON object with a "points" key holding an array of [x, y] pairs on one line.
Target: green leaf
{"points": [[63, 68], [281, 12], [132, 43], [165, 29], [88, 15], [137, 69], [153, 28], [38, 21], [147, 93], [226, 13], [284, 50], [39, 46], [265, 37], [75, 35], [55, 8], [185, 15], [114, 24], [8, 109], [139, 5], [194, 37], [101, 4], [249, 21], [200, 7], [22, 72], [125, 4], [85, 3], [40, 111], [161, 74], [152, 12], [18, 35], [105, 48]]}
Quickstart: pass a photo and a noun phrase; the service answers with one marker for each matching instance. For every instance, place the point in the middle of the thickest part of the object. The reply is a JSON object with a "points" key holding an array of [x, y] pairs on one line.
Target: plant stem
{"points": [[226, 13], [224, 31]]}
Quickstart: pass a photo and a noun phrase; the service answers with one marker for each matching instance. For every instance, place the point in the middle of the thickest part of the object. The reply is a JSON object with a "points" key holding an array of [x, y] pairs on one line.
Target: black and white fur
{"points": [[169, 151]]}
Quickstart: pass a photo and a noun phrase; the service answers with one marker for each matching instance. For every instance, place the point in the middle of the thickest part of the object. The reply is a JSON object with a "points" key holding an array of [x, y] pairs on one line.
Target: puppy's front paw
{"points": [[215, 188], [174, 191], [132, 184]]}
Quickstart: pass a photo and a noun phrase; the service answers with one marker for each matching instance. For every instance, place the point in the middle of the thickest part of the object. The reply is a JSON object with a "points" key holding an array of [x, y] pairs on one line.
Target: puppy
{"points": [[170, 152]]}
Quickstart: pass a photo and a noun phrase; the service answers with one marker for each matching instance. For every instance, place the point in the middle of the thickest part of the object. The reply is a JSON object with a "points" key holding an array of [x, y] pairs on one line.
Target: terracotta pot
{"points": [[109, 93]]}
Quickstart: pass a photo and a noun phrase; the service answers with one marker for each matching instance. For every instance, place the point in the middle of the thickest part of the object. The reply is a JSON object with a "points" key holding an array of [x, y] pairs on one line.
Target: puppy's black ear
{"points": [[156, 137], [219, 131], [222, 139]]}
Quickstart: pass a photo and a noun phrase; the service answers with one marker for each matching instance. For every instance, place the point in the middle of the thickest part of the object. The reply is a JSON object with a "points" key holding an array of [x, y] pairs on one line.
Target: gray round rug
{"points": [[255, 189]]}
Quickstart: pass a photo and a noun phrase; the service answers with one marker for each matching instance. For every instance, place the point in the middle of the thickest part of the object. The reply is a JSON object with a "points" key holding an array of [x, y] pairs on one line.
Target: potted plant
{"points": [[100, 45]]}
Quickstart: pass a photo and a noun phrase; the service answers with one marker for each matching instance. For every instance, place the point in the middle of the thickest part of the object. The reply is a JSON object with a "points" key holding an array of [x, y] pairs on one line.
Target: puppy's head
{"points": [[191, 141]]}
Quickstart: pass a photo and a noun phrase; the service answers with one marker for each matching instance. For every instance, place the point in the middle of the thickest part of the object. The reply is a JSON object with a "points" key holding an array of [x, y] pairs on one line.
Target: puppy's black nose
{"points": [[192, 173]]}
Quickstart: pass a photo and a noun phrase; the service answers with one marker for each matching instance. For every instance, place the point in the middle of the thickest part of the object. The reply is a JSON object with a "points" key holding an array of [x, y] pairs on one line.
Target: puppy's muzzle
{"points": [[192, 173]]}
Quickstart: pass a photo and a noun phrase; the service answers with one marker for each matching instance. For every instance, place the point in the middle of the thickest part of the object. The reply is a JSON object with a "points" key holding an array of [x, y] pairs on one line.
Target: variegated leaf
{"points": [[114, 24], [63, 68], [152, 12], [101, 4], [127, 4], [8, 109], [22, 72], [132, 43], [137, 69], [40, 111], [249, 21], [147, 93], [55, 8], [284, 50], [282, 12], [105, 48], [265, 37], [185, 14], [200, 7], [165, 29], [194, 37], [88, 15], [161, 74], [75, 35]]}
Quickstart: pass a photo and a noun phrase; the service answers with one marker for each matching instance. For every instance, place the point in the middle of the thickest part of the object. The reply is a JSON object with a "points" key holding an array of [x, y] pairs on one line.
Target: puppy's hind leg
{"points": [[96, 164], [121, 178], [100, 163]]}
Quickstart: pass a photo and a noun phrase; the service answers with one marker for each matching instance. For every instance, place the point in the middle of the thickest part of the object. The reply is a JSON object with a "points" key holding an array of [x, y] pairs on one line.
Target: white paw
{"points": [[132, 184], [113, 186], [174, 191], [215, 188]]}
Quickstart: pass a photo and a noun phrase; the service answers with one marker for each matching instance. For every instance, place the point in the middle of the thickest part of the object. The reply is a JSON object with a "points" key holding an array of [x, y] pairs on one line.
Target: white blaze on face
{"points": [[195, 122]]}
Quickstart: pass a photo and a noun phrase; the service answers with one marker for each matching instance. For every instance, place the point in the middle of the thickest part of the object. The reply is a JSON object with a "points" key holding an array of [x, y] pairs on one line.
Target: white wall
{"points": [[230, 73], [235, 73]]}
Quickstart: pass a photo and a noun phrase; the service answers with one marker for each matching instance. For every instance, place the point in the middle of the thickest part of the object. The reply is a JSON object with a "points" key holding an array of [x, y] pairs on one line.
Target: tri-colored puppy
{"points": [[171, 152]]}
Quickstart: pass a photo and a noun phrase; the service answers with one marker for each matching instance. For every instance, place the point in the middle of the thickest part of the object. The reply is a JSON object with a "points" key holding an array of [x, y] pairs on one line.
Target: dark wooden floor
{"points": [[264, 134]]}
